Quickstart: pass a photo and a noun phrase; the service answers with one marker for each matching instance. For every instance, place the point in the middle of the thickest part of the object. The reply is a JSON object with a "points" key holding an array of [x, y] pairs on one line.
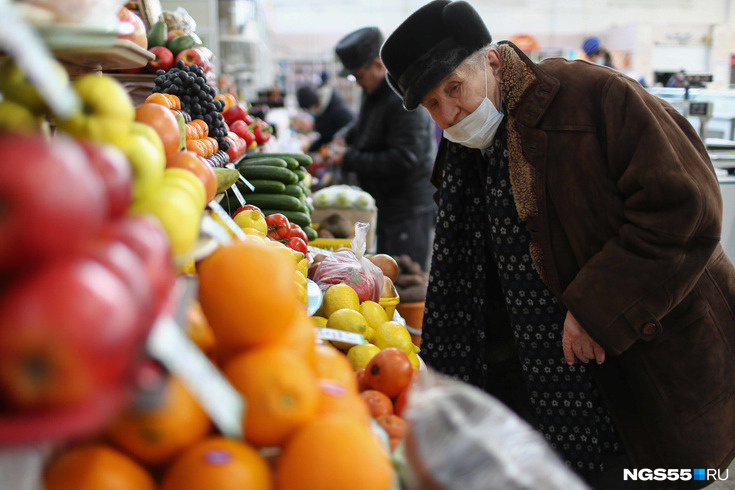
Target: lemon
{"points": [[374, 314], [348, 320], [360, 355], [414, 359], [370, 334], [338, 297], [319, 321], [300, 278], [393, 334], [251, 218], [303, 267]]}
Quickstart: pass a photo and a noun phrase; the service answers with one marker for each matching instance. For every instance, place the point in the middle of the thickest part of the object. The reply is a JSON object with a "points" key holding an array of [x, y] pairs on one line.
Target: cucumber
{"points": [[292, 163], [274, 201], [300, 173], [311, 233], [294, 190], [271, 162], [303, 159], [267, 186], [301, 219], [268, 173]]}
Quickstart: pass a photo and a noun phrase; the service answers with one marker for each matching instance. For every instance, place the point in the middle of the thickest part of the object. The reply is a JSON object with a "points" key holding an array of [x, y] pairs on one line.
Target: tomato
{"points": [[361, 379], [297, 232], [378, 403], [389, 372], [296, 243], [163, 121], [278, 226], [401, 400]]}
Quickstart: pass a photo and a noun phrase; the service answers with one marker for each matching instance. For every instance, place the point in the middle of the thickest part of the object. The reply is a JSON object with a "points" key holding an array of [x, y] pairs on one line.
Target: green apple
{"points": [[107, 111], [17, 88], [16, 117], [146, 162]]}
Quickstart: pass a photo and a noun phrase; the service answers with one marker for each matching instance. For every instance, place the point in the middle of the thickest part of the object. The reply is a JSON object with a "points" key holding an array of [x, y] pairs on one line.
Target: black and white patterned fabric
{"points": [[479, 229]]}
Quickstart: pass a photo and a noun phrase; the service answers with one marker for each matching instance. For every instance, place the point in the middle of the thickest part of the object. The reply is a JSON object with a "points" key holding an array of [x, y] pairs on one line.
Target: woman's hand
{"points": [[577, 343]]}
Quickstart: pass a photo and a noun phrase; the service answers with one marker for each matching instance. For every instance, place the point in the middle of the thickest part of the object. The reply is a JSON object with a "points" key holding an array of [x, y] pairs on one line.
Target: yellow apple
{"points": [[178, 215], [188, 181], [17, 88], [15, 117], [107, 111], [146, 163]]}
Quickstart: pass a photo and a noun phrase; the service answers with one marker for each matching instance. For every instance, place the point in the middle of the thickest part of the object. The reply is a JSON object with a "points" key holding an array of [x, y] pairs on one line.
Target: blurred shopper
{"points": [[390, 150], [328, 109], [579, 219], [677, 79], [596, 53]]}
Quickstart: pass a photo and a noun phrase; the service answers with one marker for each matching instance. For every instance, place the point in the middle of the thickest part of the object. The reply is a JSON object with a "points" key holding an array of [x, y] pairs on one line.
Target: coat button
{"points": [[649, 329]]}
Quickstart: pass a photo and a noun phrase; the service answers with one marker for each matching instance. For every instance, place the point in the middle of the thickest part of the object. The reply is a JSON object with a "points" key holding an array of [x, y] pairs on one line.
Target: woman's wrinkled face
{"points": [[460, 93]]}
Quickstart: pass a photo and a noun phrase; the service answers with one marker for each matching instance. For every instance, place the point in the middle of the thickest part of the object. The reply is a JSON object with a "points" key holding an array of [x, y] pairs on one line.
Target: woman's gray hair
{"points": [[475, 60]]}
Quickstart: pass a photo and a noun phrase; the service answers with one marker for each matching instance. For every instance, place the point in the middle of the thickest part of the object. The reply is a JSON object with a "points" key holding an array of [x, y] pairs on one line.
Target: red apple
{"points": [[164, 59], [66, 333], [145, 236], [174, 33], [52, 200], [235, 113], [193, 56], [132, 28], [113, 168]]}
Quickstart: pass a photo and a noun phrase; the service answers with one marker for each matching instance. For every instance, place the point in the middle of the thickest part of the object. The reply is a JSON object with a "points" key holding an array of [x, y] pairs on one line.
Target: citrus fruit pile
{"points": [[305, 423]]}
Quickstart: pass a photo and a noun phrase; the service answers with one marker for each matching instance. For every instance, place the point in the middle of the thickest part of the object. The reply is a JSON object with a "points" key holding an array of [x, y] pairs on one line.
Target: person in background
{"points": [[577, 271], [596, 53], [390, 150], [328, 109]]}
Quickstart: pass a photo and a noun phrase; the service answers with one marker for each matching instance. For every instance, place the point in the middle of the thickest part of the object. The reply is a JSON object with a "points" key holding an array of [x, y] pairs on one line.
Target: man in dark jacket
{"points": [[328, 109], [391, 151], [579, 220]]}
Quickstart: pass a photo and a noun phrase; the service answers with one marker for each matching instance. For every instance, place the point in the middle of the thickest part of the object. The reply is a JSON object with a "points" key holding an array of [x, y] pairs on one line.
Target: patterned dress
{"points": [[476, 205]]}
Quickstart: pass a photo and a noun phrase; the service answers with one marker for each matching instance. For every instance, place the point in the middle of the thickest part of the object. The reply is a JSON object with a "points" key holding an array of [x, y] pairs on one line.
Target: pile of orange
{"points": [[301, 397]]}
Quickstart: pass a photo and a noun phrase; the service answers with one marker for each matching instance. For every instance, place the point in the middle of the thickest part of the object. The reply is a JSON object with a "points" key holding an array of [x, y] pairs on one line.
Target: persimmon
{"points": [[389, 372], [378, 403], [159, 98], [193, 163], [162, 120]]}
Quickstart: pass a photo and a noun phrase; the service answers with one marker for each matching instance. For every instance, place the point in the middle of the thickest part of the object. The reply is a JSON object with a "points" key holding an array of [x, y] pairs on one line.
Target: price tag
{"points": [[222, 214], [341, 336], [224, 405]]}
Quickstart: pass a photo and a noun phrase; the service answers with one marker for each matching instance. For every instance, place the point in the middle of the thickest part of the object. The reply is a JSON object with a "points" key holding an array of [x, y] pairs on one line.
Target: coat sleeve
{"points": [[672, 212], [404, 147]]}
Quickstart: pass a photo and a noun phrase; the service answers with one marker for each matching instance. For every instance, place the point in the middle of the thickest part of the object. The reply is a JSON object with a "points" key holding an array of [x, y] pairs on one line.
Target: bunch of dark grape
{"points": [[197, 98]]}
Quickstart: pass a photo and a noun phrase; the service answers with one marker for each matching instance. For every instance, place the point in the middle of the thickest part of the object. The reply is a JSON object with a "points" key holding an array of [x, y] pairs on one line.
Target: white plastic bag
{"points": [[461, 438]]}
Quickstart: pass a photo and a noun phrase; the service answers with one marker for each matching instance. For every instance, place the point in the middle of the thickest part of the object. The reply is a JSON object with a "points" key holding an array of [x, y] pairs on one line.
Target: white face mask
{"points": [[478, 129]]}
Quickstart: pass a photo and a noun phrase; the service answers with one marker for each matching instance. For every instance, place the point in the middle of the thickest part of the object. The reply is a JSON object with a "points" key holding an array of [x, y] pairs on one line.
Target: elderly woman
{"points": [[579, 220]]}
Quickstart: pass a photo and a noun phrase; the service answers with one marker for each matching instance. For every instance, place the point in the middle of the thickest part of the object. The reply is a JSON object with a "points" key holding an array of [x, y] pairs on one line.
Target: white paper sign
{"points": [[224, 405], [341, 336]]}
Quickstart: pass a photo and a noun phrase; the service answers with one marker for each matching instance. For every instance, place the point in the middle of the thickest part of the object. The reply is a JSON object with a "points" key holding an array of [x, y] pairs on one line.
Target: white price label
{"points": [[341, 336], [222, 215], [224, 405]]}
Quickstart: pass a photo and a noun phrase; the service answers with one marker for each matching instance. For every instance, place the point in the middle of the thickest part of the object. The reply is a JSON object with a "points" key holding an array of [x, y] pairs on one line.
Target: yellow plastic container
{"points": [[389, 304]]}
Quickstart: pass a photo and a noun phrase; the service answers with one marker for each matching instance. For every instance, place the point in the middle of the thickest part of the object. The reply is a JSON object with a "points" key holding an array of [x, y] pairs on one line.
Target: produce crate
{"points": [[331, 244], [369, 216]]}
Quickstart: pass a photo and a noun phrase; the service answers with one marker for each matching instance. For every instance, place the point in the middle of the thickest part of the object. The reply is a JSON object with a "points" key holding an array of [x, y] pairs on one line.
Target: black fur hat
{"points": [[358, 48], [429, 45]]}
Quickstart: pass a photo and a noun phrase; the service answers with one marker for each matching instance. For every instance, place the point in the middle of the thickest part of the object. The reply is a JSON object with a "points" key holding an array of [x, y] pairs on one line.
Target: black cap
{"points": [[307, 97], [358, 48], [429, 45]]}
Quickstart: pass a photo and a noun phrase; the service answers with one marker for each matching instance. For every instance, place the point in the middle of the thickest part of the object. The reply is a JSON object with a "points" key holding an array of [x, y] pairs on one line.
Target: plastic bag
{"points": [[88, 12], [352, 268], [180, 20], [459, 437]]}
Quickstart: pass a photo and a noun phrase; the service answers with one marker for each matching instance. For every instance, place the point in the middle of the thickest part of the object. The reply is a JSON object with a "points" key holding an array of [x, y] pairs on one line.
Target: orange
{"points": [[190, 161], [301, 336], [159, 98], [280, 392], [247, 293], [156, 435], [198, 329], [334, 452], [394, 426], [334, 397], [221, 464], [332, 364], [162, 120], [96, 467]]}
